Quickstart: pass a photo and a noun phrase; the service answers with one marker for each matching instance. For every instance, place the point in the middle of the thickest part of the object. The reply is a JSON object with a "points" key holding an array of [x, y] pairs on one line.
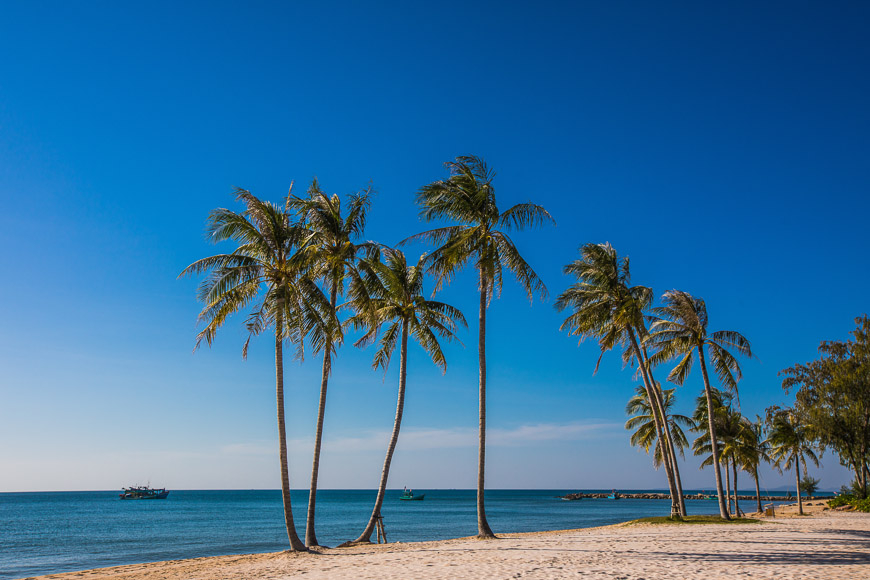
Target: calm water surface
{"points": [[42, 533]]}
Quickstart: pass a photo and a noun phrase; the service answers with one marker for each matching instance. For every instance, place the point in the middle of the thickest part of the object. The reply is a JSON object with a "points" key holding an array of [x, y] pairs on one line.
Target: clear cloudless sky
{"points": [[724, 147]]}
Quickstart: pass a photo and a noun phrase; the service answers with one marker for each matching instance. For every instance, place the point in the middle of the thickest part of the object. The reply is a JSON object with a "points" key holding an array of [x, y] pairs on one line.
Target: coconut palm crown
{"points": [[679, 329], [603, 303], [480, 235], [641, 421]]}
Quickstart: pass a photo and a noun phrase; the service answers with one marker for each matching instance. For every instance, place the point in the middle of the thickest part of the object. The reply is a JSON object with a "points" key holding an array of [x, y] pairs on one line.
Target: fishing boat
{"points": [[143, 492], [613, 495], [408, 494]]}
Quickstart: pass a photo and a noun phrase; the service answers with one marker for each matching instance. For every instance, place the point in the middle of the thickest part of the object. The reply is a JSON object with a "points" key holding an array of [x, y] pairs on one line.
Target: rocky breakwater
{"points": [[580, 495]]}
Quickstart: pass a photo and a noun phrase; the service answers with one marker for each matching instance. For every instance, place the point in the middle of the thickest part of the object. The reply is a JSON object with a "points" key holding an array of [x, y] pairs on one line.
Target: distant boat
{"points": [[143, 492], [408, 494], [613, 495]]}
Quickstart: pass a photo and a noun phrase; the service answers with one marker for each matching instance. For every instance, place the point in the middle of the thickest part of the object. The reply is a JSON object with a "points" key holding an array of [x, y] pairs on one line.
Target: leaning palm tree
{"points": [[789, 444], [680, 330], [390, 293], [643, 425], [606, 307], [327, 253], [480, 235], [258, 274]]}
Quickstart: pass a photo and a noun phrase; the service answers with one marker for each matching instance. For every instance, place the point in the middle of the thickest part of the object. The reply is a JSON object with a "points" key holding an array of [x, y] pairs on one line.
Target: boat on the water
{"points": [[614, 495], [408, 494], [143, 492]]}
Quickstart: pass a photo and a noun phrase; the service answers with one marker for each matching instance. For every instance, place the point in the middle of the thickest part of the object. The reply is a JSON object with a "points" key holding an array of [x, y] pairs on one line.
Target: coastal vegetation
{"points": [[832, 399], [303, 271], [848, 499]]}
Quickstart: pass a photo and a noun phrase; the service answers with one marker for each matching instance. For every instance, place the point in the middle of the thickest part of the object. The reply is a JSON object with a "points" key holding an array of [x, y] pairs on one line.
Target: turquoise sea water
{"points": [[42, 533]]}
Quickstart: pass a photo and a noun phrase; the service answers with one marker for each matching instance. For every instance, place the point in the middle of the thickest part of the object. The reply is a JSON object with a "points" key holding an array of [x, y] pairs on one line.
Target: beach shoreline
{"points": [[825, 544]]}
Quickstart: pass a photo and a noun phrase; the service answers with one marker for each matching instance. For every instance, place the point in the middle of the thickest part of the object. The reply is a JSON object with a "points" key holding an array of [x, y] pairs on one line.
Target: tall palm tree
{"points": [[327, 253], [643, 424], [680, 330], [606, 307], [390, 293], [480, 235], [258, 273], [789, 444]]}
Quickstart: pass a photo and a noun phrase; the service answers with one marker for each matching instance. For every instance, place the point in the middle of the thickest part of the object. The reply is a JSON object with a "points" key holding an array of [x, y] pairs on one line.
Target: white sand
{"points": [[827, 545]]}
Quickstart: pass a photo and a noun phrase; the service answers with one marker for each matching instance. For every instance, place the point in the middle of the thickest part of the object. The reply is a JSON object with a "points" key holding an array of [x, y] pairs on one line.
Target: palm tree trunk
{"points": [[483, 529], [866, 473], [366, 536], [723, 510], [757, 489], [658, 420], [736, 505], [678, 479], [671, 451], [728, 485], [310, 536], [295, 543], [797, 474], [668, 438]]}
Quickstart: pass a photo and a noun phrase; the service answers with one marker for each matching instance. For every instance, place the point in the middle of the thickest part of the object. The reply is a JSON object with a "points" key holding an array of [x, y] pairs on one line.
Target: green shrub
{"points": [[862, 505], [841, 500]]}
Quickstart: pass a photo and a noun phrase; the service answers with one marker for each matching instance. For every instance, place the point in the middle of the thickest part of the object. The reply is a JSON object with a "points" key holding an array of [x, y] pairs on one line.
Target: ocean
{"points": [[50, 532]]}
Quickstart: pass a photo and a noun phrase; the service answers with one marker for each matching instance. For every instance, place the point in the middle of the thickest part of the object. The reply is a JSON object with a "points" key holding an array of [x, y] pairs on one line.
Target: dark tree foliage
{"points": [[833, 394], [809, 485]]}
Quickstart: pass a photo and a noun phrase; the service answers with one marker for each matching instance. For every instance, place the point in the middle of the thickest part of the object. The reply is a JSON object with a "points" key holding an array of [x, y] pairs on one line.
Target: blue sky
{"points": [[724, 148]]}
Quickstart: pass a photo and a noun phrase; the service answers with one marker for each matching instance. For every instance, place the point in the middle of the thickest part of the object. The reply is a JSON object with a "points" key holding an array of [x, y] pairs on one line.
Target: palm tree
{"points": [[644, 427], [606, 307], [258, 273], [327, 253], [730, 434], [390, 293], [789, 444], [680, 330], [752, 450], [670, 446], [480, 235], [727, 423]]}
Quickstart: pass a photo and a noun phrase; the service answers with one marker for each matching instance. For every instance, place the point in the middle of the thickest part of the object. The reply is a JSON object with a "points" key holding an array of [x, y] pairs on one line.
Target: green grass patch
{"points": [[688, 520]]}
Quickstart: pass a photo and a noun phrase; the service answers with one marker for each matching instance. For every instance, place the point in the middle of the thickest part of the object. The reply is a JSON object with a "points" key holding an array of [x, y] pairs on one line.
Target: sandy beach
{"points": [[827, 544]]}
